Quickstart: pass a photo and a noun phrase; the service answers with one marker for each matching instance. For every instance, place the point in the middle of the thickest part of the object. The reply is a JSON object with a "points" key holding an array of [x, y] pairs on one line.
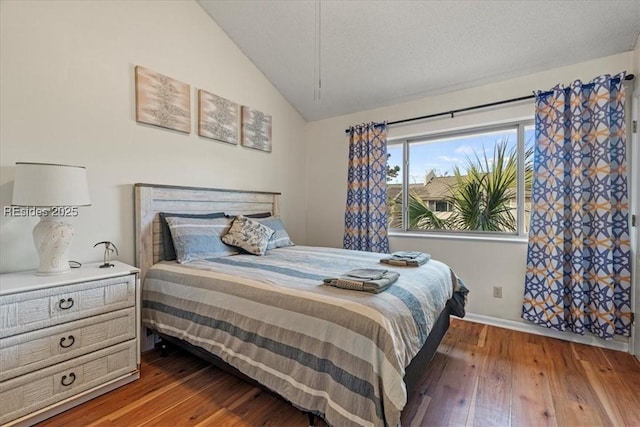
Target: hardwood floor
{"points": [[480, 376]]}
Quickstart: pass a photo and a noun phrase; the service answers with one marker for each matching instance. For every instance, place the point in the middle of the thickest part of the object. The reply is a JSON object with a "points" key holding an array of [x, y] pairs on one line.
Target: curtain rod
{"points": [[475, 107]]}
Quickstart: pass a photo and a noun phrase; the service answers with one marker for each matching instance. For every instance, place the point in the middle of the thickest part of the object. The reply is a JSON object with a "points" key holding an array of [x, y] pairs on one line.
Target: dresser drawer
{"points": [[28, 393], [21, 354], [27, 311]]}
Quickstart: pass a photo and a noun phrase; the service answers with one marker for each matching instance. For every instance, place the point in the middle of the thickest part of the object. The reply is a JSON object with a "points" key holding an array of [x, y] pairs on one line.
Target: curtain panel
{"points": [[365, 218], [578, 275]]}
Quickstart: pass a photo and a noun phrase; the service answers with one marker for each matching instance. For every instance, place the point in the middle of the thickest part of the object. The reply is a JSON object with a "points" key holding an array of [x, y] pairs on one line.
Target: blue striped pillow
{"points": [[200, 238], [280, 238], [167, 240]]}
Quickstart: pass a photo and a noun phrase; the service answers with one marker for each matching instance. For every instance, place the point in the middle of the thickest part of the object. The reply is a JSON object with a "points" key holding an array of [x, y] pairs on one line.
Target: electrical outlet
{"points": [[497, 291]]}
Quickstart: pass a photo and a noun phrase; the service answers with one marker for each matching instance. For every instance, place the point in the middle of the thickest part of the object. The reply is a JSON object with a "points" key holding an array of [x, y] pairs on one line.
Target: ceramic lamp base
{"points": [[52, 238]]}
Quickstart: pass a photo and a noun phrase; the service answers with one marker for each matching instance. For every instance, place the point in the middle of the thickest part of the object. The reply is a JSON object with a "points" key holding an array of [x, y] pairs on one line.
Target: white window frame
{"points": [[520, 232]]}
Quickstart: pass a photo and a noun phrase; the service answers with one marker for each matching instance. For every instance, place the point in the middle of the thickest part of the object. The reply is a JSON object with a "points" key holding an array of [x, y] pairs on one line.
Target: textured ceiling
{"points": [[378, 53]]}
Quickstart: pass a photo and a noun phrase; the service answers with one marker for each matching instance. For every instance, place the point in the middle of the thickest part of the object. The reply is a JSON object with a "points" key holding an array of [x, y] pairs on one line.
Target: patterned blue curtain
{"points": [[579, 255], [365, 218]]}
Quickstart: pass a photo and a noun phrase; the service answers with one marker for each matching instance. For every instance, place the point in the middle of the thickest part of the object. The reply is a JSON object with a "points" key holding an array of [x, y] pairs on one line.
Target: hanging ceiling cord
{"points": [[319, 47], [452, 113], [318, 52]]}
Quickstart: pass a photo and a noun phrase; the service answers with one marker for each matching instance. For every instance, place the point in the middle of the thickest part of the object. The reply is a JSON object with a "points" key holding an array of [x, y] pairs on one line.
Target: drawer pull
{"points": [[71, 339], [66, 383], [65, 304]]}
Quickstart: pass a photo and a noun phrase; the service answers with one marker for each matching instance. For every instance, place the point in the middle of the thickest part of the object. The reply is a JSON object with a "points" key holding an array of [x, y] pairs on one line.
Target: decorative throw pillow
{"points": [[199, 238], [167, 241], [280, 238], [249, 235]]}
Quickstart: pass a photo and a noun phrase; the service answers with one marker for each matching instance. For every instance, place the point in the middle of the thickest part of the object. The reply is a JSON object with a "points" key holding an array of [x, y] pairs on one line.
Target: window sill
{"points": [[449, 236]]}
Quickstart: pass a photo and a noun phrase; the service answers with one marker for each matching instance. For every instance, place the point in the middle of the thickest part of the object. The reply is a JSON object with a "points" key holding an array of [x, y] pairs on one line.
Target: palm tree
{"points": [[481, 196], [420, 216]]}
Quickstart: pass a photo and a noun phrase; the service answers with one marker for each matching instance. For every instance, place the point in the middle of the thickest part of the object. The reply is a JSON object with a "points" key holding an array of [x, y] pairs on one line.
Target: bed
{"points": [[350, 357]]}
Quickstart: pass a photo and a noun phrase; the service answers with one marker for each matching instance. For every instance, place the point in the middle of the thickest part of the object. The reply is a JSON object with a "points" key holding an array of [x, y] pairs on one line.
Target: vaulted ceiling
{"points": [[369, 54]]}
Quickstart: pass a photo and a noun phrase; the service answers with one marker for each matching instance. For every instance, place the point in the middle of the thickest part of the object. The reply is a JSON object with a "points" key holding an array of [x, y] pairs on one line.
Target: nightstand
{"points": [[66, 339]]}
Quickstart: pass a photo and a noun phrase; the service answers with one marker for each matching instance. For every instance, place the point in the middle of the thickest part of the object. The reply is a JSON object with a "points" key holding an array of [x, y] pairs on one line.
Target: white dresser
{"points": [[66, 339]]}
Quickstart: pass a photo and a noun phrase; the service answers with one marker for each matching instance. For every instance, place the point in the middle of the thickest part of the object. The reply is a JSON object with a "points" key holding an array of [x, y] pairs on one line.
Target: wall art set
{"points": [[166, 102]]}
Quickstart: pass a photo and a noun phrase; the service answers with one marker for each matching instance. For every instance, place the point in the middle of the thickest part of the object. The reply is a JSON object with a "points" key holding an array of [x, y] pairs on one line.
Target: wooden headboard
{"points": [[151, 199]]}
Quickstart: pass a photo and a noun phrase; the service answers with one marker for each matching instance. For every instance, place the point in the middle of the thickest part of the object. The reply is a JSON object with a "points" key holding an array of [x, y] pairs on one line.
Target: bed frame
{"points": [[151, 199]]}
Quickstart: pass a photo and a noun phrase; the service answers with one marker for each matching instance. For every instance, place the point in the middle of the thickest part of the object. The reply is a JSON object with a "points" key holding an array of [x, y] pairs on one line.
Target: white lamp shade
{"points": [[49, 185]]}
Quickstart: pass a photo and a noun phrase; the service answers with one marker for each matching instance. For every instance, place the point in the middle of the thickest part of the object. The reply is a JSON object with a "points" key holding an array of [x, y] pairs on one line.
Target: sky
{"points": [[442, 155]]}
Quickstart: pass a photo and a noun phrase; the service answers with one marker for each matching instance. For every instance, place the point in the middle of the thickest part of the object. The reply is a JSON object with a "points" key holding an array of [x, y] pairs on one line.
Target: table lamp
{"points": [[52, 192]]}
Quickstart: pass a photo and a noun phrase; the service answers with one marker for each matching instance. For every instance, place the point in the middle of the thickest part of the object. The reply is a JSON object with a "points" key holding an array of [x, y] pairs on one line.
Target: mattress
{"points": [[338, 353]]}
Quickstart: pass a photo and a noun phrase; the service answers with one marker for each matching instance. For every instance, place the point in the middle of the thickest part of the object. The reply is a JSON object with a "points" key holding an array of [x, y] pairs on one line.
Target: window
{"points": [[442, 206], [476, 181]]}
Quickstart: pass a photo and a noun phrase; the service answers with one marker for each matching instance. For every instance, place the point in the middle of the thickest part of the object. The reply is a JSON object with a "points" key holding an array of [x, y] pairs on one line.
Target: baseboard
{"points": [[618, 344]]}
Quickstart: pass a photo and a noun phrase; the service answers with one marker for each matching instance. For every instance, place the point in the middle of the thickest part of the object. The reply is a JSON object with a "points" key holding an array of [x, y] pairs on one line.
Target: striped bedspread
{"points": [[338, 353]]}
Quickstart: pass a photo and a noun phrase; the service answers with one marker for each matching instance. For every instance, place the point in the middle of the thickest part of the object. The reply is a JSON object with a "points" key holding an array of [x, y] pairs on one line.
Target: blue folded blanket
{"points": [[364, 279], [406, 258]]}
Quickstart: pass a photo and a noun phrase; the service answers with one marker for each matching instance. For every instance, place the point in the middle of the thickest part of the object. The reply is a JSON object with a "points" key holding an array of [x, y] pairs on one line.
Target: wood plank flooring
{"points": [[480, 376]]}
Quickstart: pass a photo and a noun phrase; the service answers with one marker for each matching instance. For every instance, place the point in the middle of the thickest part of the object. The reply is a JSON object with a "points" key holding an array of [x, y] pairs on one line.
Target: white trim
{"points": [[615, 344], [479, 236]]}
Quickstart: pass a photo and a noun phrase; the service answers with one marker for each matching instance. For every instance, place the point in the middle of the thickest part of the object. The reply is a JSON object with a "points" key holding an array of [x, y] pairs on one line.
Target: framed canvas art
{"points": [[162, 101], [217, 118], [256, 129]]}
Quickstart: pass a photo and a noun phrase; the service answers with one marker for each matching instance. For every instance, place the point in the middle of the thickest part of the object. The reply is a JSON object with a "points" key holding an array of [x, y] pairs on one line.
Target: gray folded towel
{"points": [[364, 279], [406, 258]]}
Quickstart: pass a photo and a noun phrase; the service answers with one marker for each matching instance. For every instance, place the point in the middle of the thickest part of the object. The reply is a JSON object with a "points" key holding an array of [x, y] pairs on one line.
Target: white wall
{"points": [[636, 55], [481, 263], [67, 84]]}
